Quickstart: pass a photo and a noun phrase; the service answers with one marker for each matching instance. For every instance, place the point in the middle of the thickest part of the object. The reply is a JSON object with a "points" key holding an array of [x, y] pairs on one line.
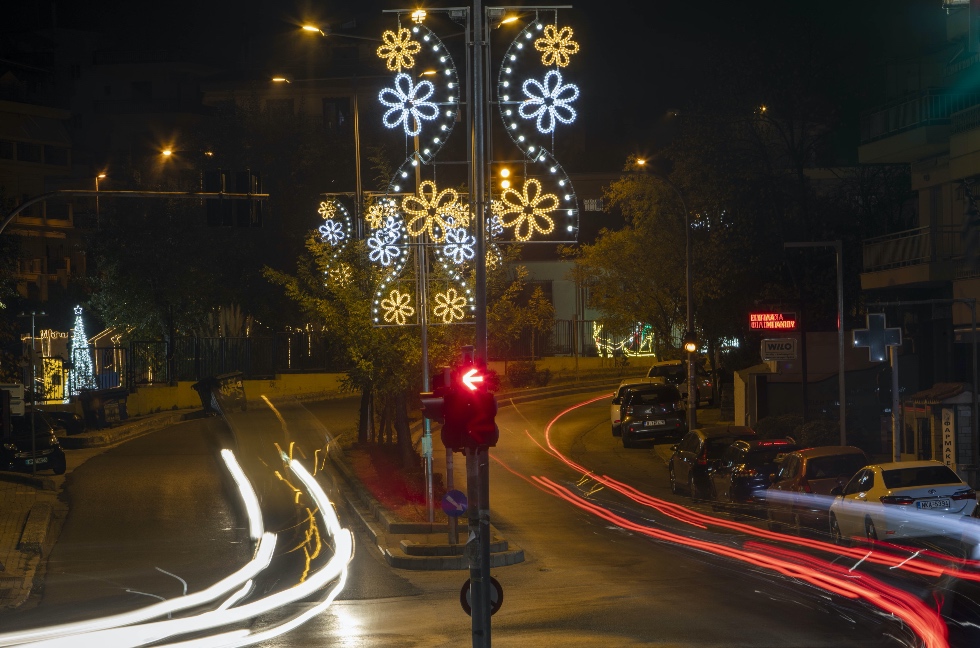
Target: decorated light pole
{"points": [[82, 374]]}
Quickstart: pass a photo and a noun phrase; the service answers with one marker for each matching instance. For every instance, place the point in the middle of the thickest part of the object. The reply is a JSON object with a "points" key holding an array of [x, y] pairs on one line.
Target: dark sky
{"points": [[638, 59]]}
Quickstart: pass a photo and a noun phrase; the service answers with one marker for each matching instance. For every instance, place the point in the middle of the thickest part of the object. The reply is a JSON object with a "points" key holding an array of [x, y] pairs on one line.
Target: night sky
{"points": [[638, 59]]}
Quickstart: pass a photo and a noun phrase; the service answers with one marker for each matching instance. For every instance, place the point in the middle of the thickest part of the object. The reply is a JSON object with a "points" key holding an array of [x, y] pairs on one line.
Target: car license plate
{"points": [[39, 460], [934, 504], [655, 423]]}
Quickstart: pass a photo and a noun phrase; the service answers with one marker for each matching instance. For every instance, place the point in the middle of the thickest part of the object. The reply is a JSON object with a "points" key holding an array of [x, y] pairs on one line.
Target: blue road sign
{"points": [[454, 503]]}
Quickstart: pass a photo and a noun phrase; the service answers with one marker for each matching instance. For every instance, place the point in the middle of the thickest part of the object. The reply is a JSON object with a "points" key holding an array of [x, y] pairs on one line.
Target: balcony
{"points": [[917, 256], [912, 128]]}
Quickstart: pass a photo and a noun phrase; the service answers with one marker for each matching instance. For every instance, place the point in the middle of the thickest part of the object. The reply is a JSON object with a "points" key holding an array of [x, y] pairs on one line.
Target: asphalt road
{"points": [[161, 501]]}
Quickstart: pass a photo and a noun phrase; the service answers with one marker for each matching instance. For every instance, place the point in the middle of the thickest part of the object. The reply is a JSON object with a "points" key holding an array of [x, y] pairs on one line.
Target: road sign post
{"points": [[878, 339]]}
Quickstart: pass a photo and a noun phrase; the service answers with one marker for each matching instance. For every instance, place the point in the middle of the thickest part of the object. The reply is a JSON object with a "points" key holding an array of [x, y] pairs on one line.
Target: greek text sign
{"points": [[949, 438]]}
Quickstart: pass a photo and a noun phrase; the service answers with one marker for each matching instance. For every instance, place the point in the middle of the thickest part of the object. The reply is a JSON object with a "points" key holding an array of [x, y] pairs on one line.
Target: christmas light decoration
{"points": [[341, 275], [529, 211], [449, 306], [379, 212], [408, 104], [556, 46], [459, 245], [397, 307], [548, 101], [327, 210], [384, 243], [82, 374], [332, 232], [398, 50], [430, 209]]}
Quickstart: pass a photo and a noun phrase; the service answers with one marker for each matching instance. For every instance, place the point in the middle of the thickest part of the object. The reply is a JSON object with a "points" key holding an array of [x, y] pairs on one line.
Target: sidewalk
{"points": [[31, 512]]}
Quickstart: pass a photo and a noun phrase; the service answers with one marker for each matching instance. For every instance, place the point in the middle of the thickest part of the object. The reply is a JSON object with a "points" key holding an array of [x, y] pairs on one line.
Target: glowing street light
{"points": [[280, 79], [508, 19], [418, 15], [313, 28]]}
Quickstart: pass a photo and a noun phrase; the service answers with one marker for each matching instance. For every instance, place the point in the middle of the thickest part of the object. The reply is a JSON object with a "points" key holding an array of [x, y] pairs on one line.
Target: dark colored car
{"points": [[15, 449], [71, 422], [698, 451], [652, 412], [800, 494], [745, 471]]}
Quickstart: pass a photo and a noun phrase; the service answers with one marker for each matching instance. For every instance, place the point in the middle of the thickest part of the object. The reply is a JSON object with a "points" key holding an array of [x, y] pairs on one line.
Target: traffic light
{"points": [[464, 405]]}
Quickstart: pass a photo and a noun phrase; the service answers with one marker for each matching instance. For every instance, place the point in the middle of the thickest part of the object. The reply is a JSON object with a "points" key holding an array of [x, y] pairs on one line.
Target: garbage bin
{"points": [[104, 407], [224, 392]]}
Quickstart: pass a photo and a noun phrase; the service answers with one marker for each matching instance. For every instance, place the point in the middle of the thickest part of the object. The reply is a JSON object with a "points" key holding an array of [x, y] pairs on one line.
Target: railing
{"points": [[966, 120], [931, 107], [912, 247]]}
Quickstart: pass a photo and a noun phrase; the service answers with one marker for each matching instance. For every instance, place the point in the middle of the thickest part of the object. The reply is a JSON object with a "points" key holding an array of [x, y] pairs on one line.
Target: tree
{"points": [[82, 375]]}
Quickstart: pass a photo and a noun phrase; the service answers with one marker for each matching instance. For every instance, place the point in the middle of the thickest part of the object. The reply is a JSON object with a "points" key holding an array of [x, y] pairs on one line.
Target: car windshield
{"points": [[834, 466], [672, 373], [717, 446], [655, 396], [919, 476]]}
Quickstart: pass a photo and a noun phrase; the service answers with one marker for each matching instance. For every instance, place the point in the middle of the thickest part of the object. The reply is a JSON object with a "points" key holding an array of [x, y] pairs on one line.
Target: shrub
{"points": [[778, 427], [526, 374], [818, 433]]}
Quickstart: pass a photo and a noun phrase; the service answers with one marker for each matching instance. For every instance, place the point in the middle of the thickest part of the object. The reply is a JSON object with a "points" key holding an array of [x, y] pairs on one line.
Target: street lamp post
{"points": [[97, 178], [33, 315], [690, 337]]}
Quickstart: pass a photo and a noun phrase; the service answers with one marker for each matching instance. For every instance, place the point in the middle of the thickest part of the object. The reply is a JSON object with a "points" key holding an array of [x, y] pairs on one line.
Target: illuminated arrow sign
{"points": [[471, 377]]}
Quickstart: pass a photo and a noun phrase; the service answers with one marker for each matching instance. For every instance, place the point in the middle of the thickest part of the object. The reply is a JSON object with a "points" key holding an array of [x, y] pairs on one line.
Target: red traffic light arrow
{"points": [[471, 377]]}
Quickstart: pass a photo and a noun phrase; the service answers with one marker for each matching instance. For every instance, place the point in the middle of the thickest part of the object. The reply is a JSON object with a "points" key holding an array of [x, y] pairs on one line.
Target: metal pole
{"points": [[483, 468], [359, 200], [479, 182], [427, 429], [474, 553], [976, 398], [896, 408], [33, 398], [838, 246]]}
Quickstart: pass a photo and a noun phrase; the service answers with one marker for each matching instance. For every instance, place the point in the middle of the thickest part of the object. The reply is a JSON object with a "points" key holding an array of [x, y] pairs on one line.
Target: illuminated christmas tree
{"points": [[82, 374]]}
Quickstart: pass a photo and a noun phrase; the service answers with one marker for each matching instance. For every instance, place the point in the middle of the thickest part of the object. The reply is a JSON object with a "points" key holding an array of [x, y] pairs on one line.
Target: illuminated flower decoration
{"points": [[379, 212], [430, 209], [457, 214], [549, 101], [496, 227], [557, 46], [327, 210], [408, 104], [491, 259], [341, 274], [459, 245], [528, 212], [332, 232], [449, 306], [399, 49], [383, 245], [397, 307]]}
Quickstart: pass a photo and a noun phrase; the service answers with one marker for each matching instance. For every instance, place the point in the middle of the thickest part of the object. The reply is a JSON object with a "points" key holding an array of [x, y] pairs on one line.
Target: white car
{"points": [[902, 500], [614, 413]]}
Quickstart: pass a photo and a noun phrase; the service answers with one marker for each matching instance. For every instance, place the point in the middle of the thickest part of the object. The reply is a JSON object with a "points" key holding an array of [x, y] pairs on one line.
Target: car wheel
{"points": [[835, 532], [627, 440], [58, 463], [869, 529], [617, 431], [673, 482], [692, 488]]}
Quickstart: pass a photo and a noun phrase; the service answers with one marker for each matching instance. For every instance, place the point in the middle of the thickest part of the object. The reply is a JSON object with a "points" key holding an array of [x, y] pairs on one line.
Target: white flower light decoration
{"points": [[383, 245], [529, 211], [459, 245], [399, 49], [557, 46], [549, 101], [397, 307], [332, 232], [449, 306], [430, 210], [408, 104], [379, 212]]}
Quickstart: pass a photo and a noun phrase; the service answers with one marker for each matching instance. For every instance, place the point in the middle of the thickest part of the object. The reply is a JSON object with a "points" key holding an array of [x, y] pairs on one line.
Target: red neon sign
{"points": [[772, 321]]}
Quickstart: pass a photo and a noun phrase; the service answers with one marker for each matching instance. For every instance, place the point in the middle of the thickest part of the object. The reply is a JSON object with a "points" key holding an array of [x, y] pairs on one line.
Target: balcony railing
{"points": [[913, 247], [929, 108]]}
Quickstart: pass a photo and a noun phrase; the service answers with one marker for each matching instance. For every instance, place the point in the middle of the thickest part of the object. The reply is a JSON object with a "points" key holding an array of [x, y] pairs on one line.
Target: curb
{"points": [[102, 438], [40, 483]]}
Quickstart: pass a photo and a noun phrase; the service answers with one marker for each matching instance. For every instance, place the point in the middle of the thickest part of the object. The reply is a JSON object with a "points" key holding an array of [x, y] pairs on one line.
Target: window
{"points": [[854, 486], [336, 113], [593, 204], [924, 476], [57, 155], [834, 466], [790, 467], [6, 150], [27, 152]]}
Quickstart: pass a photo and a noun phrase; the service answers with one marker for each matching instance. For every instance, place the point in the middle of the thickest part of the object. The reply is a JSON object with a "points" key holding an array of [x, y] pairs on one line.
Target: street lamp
{"points": [[690, 342], [101, 176]]}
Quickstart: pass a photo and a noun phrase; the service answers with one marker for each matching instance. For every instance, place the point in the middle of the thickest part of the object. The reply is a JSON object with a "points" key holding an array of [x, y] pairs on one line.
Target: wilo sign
{"points": [[779, 349]]}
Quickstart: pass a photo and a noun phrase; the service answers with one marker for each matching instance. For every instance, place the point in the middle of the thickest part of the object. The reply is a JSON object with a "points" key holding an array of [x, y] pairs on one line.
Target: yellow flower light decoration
{"points": [[449, 306], [397, 307], [429, 210], [529, 211], [459, 212], [341, 274], [398, 49], [556, 46], [379, 212], [327, 210]]}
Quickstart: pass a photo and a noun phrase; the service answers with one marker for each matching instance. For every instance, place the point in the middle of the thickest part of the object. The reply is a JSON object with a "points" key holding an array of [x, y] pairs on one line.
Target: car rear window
{"points": [[718, 445], [921, 476], [768, 456], [674, 372], [666, 394], [832, 466]]}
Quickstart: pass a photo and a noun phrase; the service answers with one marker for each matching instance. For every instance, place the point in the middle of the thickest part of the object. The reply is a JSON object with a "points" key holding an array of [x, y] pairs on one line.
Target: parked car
{"points": [[699, 450], [70, 421], [674, 372], [800, 494], [652, 411], [16, 448], [901, 500], [746, 470], [617, 401]]}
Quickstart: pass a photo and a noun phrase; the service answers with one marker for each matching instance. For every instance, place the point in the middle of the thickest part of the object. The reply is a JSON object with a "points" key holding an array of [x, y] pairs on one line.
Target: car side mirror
{"points": [[837, 490], [617, 401], [673, 448]]}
